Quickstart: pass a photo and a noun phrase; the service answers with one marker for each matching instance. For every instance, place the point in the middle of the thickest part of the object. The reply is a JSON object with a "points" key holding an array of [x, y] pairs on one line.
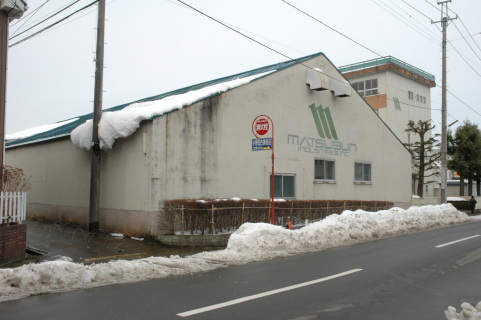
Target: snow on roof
{"points": [[124, 122], [455, 199], [251, 242], [146, 108], [36, 130]]}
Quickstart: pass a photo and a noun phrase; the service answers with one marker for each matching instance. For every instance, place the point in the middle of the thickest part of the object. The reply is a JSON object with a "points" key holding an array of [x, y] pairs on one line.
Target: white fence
{"points": [[13, 206]]}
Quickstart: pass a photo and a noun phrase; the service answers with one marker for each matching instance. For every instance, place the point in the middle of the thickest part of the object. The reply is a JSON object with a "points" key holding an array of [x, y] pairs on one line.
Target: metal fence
{"points": [[13, 206]]}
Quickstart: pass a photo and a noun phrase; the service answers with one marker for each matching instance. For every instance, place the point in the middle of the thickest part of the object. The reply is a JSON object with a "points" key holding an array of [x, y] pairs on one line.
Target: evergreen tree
{"points": [[465, 151], [424, 160]]}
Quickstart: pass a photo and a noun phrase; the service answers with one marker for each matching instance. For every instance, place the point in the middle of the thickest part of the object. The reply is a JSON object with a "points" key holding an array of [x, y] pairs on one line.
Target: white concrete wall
{"points": [[60, 178], [411, 110], [395, 85], [213, 157], [59, 173]]}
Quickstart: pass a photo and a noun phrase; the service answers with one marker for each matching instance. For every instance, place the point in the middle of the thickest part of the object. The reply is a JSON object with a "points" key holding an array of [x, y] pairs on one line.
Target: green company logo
{"points": [[324, 123], [397, 105]]}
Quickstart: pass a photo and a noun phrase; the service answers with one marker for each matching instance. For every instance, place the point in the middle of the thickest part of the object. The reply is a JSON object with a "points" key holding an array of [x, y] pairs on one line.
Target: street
{"points": [[415, 276]]}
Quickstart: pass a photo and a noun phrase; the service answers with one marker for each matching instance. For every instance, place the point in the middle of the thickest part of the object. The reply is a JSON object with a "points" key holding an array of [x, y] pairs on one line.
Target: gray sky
{"points": [[155, 46]]}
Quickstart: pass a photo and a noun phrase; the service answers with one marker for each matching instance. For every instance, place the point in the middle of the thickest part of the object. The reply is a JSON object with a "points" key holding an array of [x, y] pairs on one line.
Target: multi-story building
{"points": [[399, 92]]}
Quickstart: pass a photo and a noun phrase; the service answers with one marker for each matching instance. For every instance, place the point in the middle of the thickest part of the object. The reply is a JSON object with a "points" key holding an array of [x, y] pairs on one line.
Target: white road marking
{"points": [[264, 294], [452, 242]]}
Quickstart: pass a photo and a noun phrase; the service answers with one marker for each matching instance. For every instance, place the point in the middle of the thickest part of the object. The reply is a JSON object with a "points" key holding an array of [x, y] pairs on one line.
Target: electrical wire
{"points": [[324, 24], [412, 26], [30, 16], [464, 59], [46, 15], [433, 35], [247, 31], [236, 31], [417, 10], [479, 114], [284, 54], [50, 17], [466, 40], [53, 24], [469, 33]]}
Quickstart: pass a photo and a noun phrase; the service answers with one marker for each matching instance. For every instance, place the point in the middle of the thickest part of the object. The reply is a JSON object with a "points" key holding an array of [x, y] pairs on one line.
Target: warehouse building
{"points": [[217, 140]]}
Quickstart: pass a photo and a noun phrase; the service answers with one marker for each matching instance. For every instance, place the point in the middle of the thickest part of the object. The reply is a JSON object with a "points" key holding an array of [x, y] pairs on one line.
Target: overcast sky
{"points": [[155, 46]]}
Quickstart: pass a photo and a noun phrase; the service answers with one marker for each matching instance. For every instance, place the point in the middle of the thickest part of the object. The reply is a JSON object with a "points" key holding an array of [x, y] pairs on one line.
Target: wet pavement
{"points": [[65, 240]]}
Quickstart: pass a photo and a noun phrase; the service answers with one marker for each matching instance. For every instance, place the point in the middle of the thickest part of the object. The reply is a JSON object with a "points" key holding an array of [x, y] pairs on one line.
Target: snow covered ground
{"points": [[468, 312], [251, 242]]}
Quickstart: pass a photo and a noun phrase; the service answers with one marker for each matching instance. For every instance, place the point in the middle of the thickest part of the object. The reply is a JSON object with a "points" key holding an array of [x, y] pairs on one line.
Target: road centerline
{"points": [[456, 241], [264, 294]]}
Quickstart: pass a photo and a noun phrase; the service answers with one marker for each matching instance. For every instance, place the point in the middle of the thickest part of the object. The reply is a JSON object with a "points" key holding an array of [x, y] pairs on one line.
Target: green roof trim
{"points": [[384, 61], [66, 129]]}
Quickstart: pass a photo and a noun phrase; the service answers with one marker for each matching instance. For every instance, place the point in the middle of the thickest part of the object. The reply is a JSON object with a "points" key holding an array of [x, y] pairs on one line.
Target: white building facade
{"points": [[400, 93], [328, 144]]}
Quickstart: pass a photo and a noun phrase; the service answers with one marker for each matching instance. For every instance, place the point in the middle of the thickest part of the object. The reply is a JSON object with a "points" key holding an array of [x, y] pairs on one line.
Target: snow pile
{"points": [[251, 242], [122, 123], [338, 230], [468, 313], [36, 130]]}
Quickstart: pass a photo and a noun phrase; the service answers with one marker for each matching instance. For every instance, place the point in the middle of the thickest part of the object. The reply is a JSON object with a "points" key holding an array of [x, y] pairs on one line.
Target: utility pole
{"points": [[8, 10], [97, 114], [444, 137], [3, 79]]}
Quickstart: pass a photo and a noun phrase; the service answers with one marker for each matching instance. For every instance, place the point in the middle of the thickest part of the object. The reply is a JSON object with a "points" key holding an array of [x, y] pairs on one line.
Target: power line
{"points": [[479, 114], [464, 59], [50, 17], [415, 28], [246, 36], [53, 24], [469, 33], [30, 16], [432, 5], [338, 32], [247, 31], [466, 40], [47, 14], [433, 35], [417, 10]]}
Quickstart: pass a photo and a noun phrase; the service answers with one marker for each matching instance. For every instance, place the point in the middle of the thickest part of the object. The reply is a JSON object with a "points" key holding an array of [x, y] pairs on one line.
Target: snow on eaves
{"points": [[124, 122], [36, 130]]}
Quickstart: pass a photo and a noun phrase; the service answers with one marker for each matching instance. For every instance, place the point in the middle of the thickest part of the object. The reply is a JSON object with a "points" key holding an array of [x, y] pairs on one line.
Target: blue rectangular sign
{"points": [[261, 144]]}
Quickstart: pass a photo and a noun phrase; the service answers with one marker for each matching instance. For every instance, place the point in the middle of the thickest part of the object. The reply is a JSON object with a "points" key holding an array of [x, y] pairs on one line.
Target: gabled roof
{"points": [[65, 128]]}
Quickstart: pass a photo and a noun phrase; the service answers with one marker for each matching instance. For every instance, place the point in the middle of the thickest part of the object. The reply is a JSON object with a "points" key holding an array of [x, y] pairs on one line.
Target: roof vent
{"points": [[340, 88], [316, 79]]}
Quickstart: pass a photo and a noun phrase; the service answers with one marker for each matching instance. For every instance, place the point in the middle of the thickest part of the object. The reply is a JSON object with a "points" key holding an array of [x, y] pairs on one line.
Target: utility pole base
{"points": [[94, 226]]}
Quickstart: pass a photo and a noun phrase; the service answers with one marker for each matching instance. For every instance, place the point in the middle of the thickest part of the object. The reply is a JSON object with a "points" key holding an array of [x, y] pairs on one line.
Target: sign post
{"points": [[261, 126]]}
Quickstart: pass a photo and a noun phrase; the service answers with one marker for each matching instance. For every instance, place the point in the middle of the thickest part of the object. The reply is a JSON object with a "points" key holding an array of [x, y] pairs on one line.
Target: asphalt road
{"points": [[410, 277]]}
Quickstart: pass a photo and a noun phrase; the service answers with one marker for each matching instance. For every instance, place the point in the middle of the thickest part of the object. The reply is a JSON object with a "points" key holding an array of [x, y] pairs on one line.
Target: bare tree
{"points": [[424, 159]]}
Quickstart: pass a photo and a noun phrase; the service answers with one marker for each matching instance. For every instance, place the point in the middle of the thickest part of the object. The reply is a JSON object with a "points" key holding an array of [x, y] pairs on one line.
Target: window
{"points": [[424, 99], [324, 170], [410, 95], [366, 87], [284, 186], [417, 97], [362, 172]]}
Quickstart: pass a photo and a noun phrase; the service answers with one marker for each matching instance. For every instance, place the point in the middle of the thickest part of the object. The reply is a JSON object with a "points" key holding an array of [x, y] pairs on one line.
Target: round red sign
{"points": [[261, 126]]}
